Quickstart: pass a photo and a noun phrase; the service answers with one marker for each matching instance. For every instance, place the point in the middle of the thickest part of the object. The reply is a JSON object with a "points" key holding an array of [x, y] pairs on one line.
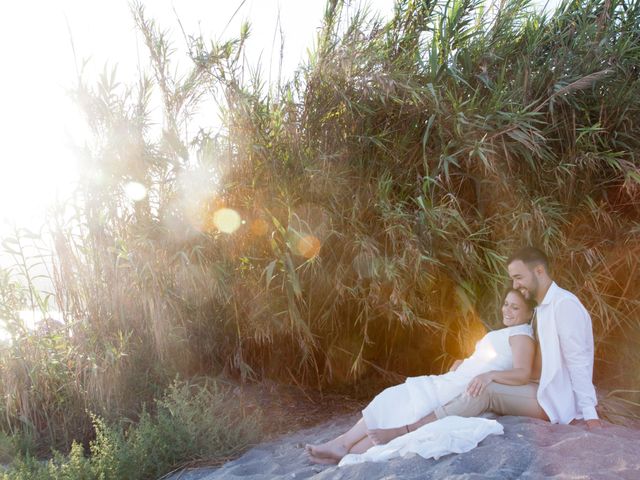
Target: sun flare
{"points": [[308, 246], [227, 220], [135, 191]]}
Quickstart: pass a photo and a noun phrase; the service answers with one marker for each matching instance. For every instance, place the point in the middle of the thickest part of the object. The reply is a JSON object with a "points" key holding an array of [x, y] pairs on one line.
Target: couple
{"points": [[509, 372]]}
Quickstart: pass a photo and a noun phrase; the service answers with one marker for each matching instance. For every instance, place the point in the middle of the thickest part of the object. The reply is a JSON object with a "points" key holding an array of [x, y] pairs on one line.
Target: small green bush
{"points": [[13, 445], [191, 422]]}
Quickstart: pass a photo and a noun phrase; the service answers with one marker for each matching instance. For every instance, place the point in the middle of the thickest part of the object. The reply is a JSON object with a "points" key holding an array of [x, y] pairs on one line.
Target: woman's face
{"points": [[515, 311]]}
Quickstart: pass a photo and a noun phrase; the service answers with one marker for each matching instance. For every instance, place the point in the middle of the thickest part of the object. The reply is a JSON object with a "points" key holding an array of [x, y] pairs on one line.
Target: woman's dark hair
{"points": [[530, 303]]}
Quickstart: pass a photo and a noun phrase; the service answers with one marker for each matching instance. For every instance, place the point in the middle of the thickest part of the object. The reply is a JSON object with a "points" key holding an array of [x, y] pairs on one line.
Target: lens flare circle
{"points": [[135, 191], [308, 246], [259, 227], [227, 220]]}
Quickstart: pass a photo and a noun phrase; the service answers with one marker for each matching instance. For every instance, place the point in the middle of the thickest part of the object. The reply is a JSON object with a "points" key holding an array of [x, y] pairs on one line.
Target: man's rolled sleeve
{"points": [[576, 343]]}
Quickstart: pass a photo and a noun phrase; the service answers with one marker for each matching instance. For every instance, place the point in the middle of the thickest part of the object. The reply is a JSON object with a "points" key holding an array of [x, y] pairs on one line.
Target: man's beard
{"points": [[531, 293]]}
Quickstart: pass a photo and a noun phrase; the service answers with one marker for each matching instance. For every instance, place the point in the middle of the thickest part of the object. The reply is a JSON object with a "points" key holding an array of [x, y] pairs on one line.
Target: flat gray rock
{"points": [[529, 449]]}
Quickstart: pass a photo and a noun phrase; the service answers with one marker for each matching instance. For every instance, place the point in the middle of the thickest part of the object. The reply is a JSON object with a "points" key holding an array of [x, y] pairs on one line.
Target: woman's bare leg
{"points": [[362, 446], [339, 446], [381, 436], [322, 460]]}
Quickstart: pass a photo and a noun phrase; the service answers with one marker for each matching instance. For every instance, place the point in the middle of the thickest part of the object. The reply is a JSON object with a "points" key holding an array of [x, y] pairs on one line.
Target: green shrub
{"points": [[191, 422]]}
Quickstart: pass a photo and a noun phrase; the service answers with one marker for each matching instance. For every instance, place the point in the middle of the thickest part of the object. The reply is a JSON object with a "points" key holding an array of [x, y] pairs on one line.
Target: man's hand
{"points": [[594, 423], [478, 384]]}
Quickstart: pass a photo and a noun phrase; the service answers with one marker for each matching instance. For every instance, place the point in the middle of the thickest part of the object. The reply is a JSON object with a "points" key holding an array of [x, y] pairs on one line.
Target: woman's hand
{"points": [[478, 384]]}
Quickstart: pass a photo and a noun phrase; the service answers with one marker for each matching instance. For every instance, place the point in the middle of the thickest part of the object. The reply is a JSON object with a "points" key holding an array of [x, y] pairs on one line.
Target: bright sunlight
{"points": [[44, 131]]}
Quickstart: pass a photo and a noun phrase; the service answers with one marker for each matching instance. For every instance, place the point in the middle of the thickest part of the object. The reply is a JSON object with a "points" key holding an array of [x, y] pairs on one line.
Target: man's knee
{"points": [[495, 390], [514, 400], [528, 390], [491, 388]]}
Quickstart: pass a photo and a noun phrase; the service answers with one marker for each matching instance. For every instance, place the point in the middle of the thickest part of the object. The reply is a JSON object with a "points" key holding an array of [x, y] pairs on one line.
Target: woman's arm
{"points": [[523, 350], [455, 365]]}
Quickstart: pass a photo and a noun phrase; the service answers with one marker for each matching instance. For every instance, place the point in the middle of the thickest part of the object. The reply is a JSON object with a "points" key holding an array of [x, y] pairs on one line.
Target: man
{"points": [[565, 390], [565, 336]]}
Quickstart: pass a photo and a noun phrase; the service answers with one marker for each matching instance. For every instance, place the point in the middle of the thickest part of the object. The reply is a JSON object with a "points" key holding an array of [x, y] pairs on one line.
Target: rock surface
{"points": [[529, 449]]}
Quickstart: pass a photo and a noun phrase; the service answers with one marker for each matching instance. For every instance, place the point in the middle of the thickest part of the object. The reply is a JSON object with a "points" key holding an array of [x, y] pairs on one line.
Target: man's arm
{"points": [[536, 370], [576, 343]]}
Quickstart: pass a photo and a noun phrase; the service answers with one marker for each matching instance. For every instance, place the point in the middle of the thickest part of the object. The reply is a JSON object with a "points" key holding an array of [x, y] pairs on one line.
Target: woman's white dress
{"points": [[417, 397]]}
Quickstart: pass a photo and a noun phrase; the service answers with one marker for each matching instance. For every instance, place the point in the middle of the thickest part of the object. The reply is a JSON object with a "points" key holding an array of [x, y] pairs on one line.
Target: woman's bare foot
{"points": [[381, 436], [329, 450], [322, 460]]}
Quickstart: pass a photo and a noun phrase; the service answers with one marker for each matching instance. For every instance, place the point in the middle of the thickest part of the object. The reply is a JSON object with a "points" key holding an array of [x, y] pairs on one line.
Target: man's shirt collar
{"points": [[553, 288]]}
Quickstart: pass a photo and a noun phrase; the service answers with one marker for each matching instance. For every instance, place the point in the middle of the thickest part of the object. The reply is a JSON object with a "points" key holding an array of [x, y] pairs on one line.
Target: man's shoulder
{"points": [[562, 294], [565, 299]]}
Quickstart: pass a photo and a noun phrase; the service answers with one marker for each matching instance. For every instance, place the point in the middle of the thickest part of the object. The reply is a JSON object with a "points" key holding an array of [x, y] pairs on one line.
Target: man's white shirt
{"points": [[565, 333]]}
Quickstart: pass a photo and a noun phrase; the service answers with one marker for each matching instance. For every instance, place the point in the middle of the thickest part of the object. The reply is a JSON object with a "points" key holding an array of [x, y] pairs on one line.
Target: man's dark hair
{"points": [[531, 256]]}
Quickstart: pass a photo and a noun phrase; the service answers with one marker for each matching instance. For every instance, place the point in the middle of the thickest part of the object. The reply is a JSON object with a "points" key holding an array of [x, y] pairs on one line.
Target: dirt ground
{"points": [[289, 408]]}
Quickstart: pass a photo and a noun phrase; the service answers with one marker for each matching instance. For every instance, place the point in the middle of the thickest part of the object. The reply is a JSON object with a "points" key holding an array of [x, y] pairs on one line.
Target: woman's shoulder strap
{"points": [[524, 329]]}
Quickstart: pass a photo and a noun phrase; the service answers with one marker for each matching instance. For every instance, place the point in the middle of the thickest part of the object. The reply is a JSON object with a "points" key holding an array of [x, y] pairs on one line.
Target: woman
{"points": [[503, 356]]}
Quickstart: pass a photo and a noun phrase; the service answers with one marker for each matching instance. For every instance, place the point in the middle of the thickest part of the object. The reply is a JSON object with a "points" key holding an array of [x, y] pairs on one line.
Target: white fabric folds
{"points": [[448, 435], [417, 397]]}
